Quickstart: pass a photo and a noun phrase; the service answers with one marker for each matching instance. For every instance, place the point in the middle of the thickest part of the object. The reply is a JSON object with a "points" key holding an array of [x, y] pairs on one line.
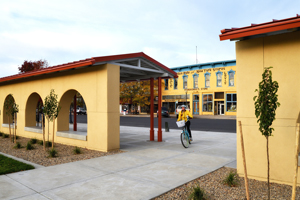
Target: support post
{"points": [[296, 163], [74, 114], [151, 109], [244, 161], [159, 132]]}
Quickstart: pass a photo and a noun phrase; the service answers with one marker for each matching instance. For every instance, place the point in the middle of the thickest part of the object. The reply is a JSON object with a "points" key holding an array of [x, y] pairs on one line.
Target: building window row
{"points": [[207, 75]]}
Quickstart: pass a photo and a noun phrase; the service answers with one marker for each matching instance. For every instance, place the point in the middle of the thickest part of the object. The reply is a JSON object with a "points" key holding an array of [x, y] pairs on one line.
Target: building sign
{"points": [[202, 71]]}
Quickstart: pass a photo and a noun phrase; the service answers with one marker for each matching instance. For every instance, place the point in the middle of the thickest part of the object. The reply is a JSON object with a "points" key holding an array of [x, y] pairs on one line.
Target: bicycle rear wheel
{"points": [[184, 140]]}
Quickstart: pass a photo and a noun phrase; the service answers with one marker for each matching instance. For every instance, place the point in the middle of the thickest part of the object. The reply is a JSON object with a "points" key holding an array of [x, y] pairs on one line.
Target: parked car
{"points": [[80, 111], [164, 112], [178, 109]]}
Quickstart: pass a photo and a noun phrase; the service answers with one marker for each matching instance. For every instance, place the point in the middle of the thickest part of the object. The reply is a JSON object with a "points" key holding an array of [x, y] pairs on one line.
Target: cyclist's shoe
{"points": [[191, 139]]}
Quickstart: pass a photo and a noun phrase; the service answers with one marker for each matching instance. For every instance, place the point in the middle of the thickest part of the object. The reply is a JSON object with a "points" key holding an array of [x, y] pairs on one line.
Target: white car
{"points": [[80, 111], [178, 109]]}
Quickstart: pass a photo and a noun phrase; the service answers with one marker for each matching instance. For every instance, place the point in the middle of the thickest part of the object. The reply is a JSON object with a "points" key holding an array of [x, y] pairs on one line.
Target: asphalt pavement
{"points": [[199, 123]]}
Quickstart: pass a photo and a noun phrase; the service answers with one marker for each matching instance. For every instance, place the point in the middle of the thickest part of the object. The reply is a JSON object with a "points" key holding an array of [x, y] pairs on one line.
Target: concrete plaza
{"points": [[146, 169]]}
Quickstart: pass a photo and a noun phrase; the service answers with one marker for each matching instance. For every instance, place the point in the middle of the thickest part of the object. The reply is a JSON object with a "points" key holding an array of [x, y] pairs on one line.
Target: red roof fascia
{"points": [[132, 55], [256, 29], [82, 63], [50, 70]]}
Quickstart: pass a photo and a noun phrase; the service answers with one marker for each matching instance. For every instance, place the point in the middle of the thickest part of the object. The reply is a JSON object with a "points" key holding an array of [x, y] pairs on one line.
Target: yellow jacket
{"points": [[183, 115]]}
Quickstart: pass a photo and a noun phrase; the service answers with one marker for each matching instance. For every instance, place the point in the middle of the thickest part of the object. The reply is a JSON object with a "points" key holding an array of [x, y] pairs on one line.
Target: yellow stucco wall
{"points": [[282, 52], [201, 90], [98, 85]]}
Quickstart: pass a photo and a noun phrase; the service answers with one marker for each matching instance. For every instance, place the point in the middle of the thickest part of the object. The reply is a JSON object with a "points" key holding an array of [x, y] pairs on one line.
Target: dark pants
{"points": [[187, 126]]}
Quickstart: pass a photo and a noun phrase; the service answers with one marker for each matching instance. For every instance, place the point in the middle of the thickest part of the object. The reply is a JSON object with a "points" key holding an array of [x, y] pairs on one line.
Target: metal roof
{"points": [[263, 29], [216, 64], [134, 66]]}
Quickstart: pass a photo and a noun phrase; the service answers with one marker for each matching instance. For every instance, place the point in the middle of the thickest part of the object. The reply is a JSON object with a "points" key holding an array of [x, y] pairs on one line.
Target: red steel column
{"points": [[74, 113], [151, 109], [159, 133]]}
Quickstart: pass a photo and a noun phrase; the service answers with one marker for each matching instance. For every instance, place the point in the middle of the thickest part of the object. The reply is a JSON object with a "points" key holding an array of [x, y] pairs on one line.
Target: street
{"points": [[216, 125]]}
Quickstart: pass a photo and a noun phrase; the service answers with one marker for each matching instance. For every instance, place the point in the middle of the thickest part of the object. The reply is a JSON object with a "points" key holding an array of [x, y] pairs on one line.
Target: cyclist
{"points": [[184, 115]]}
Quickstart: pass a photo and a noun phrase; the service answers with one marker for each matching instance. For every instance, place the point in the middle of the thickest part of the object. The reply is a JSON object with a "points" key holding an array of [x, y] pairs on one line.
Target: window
{"points": [[185, 77], [231, 77], [207, 79], [195, 76], [166, 84], [231, 102], [207, 103], [175, 83], [219, 78]]}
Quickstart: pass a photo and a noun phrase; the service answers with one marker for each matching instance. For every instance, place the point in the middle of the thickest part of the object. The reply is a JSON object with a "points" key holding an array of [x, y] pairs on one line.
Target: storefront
{"points": [[207, 88]]}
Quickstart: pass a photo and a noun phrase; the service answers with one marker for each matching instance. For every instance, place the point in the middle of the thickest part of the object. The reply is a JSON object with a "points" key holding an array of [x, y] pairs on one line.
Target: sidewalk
{"points": [[146, 170], [195, 116]]}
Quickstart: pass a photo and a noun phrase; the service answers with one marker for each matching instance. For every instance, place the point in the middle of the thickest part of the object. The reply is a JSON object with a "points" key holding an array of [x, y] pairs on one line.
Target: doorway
{"points": [[219, 108], [196, 104]]}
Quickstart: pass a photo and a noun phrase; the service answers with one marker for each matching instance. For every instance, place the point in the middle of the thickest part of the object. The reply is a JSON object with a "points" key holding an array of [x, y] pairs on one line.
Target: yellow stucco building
{"points": [[96, 79], [258, 46], [207, 88]]}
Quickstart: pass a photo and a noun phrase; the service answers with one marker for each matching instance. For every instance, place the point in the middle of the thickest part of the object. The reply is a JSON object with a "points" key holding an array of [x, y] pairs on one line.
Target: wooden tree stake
{"points": [[244, 162], [296, 162], [43, 129]]}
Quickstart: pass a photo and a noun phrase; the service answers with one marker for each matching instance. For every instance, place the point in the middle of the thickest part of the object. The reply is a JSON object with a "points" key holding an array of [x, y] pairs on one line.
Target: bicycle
{"points": [[184, 136]]}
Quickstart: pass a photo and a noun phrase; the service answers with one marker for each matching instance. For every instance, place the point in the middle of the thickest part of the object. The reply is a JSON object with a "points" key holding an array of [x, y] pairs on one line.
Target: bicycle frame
{"points": [[184, 130]]}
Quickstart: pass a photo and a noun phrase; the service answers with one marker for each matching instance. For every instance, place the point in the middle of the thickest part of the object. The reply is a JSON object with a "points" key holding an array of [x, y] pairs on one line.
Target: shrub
{"points": [[33, 141], [77, 150], [231, 179], [5, 135], [29, 146], [52, 153], [40, 142], [18, 145], [1, 133], [197, 194], [48, 144]]}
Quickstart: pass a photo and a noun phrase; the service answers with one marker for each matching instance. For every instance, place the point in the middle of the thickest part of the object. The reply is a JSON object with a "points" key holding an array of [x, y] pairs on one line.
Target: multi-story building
{"points": [[206, 88]]}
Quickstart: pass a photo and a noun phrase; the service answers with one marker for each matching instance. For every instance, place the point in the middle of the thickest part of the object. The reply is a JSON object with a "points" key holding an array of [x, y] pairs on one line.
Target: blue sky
{"points": [[63, 31]]}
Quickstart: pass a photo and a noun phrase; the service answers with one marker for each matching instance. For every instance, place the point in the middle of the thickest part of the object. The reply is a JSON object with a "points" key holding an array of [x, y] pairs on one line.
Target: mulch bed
{"points": [[41, 157], [212, 184]]}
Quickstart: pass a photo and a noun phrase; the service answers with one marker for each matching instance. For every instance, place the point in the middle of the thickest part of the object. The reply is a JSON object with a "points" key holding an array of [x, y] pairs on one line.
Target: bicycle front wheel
{"points": [[184, 140]]}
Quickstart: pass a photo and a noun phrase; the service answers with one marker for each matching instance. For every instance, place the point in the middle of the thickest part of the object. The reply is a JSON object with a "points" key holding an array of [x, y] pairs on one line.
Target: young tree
{"points": [[11, 108], [28, 66], [51, 110], [266, 104]]}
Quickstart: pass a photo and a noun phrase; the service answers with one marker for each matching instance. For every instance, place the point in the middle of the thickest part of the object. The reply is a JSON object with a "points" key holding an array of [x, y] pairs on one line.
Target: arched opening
{"points": [[33, 113], [72, 118], [6, 117]]}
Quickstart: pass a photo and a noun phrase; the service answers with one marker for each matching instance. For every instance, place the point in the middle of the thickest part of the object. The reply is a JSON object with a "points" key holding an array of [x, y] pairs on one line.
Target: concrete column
{"points": [[151, 109], [159, 132]]}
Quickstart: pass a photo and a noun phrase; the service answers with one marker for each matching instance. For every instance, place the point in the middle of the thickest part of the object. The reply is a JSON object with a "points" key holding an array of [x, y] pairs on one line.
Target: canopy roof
{"points": [[134, 66], [260, 30]]}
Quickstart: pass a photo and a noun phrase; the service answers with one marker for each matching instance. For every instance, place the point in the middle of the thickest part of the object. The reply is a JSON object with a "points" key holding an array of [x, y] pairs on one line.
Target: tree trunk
{"points": [[9, 128], [53, 133], [48, 130], [268, 167], [15, 127], [43, 130]]}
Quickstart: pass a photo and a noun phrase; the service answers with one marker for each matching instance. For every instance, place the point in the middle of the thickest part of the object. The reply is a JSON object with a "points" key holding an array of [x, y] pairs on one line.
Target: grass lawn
{"points": [[8, 165]]}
